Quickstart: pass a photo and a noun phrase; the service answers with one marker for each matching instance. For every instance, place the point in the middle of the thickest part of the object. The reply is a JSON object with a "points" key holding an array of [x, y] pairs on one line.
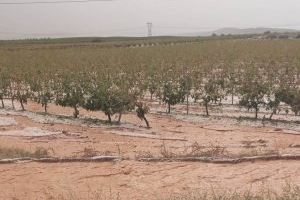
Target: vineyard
{"points": [[263, 75], [120, 115]]}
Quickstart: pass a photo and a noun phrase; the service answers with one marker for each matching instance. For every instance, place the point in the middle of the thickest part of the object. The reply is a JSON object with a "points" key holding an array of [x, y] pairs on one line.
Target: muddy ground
{"points": [[175, 134]]}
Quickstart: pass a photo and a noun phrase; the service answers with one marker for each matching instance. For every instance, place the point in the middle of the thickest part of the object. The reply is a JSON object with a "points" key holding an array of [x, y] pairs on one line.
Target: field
{"points": [[166, 118]]}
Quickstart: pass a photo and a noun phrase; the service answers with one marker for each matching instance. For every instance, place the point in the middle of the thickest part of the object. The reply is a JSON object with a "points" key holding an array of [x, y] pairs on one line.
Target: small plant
{"points": [[194, 151], [40, 152], [144, 154], [166, 152], [172, 93], [89, 152]]}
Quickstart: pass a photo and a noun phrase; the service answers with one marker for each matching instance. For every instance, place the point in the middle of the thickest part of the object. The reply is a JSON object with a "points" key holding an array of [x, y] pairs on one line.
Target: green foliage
{"points": [[292, 98], [253, 96], [70, 92], [43, 89], [212, 90], [172, 93], [264, 74], [110, 98], [254, 91], [4, 85]]}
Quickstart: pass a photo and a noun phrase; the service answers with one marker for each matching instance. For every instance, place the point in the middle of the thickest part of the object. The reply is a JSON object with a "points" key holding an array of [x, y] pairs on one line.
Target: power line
{"points": [[50, 2]]}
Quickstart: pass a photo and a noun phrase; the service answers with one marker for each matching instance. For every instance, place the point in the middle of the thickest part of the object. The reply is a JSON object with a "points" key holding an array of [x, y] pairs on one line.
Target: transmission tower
{"points": [[149, 25]]}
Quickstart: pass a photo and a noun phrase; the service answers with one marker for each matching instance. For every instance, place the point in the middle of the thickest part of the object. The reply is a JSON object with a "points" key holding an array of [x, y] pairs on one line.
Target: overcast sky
{"points": [[129, 17]]}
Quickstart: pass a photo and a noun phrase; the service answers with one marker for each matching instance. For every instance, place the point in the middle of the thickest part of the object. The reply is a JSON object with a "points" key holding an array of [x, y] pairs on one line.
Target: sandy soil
{"points": [[65, 137], [134, 180]]}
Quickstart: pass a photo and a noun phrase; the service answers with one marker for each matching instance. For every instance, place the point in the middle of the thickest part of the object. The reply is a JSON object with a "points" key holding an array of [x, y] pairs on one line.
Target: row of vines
{"points": [[262, 74]]}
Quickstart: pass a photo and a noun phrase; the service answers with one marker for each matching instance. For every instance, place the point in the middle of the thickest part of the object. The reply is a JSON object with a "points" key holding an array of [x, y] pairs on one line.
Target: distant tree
{"points": [[4, 85], [285, 36], [231, 85], [296, 103], [271, 36], [152, 84], [212, 91], [186, 83], [274, 101], [254, 93], [70, 92], [111, 99], [292, 98], [267, 32], [19, 89], [172, 93], [22, 95], [141, 111], [43, 88]]}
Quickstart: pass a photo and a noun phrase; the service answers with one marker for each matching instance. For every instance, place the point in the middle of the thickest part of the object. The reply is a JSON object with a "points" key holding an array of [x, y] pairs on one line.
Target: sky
{"points": [[129, 17]]}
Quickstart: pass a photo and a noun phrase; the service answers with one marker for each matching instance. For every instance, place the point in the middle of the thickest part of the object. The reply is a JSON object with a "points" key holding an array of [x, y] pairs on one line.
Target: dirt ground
{"points": [[131, 179]]}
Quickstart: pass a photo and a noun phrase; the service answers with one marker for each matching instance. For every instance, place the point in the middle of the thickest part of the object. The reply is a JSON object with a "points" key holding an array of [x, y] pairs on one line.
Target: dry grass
{"points": [[144, 154], [9, 153], [93, 195], [211, 151], [89, 152], [194, 150], [256, 152], [289, 192]]}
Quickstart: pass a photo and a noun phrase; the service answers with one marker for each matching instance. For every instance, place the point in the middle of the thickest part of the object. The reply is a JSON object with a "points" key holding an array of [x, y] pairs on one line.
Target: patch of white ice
{"points": [[7, 121], [28, 132], [145, 135]]}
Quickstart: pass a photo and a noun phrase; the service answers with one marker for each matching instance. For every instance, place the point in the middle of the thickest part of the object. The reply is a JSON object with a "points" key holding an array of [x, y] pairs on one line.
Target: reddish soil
{"points": [[141, 180]]}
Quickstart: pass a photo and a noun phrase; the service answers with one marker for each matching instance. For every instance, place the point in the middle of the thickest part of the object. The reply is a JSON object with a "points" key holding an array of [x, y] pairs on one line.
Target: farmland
{"points": [[148, 118]]}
